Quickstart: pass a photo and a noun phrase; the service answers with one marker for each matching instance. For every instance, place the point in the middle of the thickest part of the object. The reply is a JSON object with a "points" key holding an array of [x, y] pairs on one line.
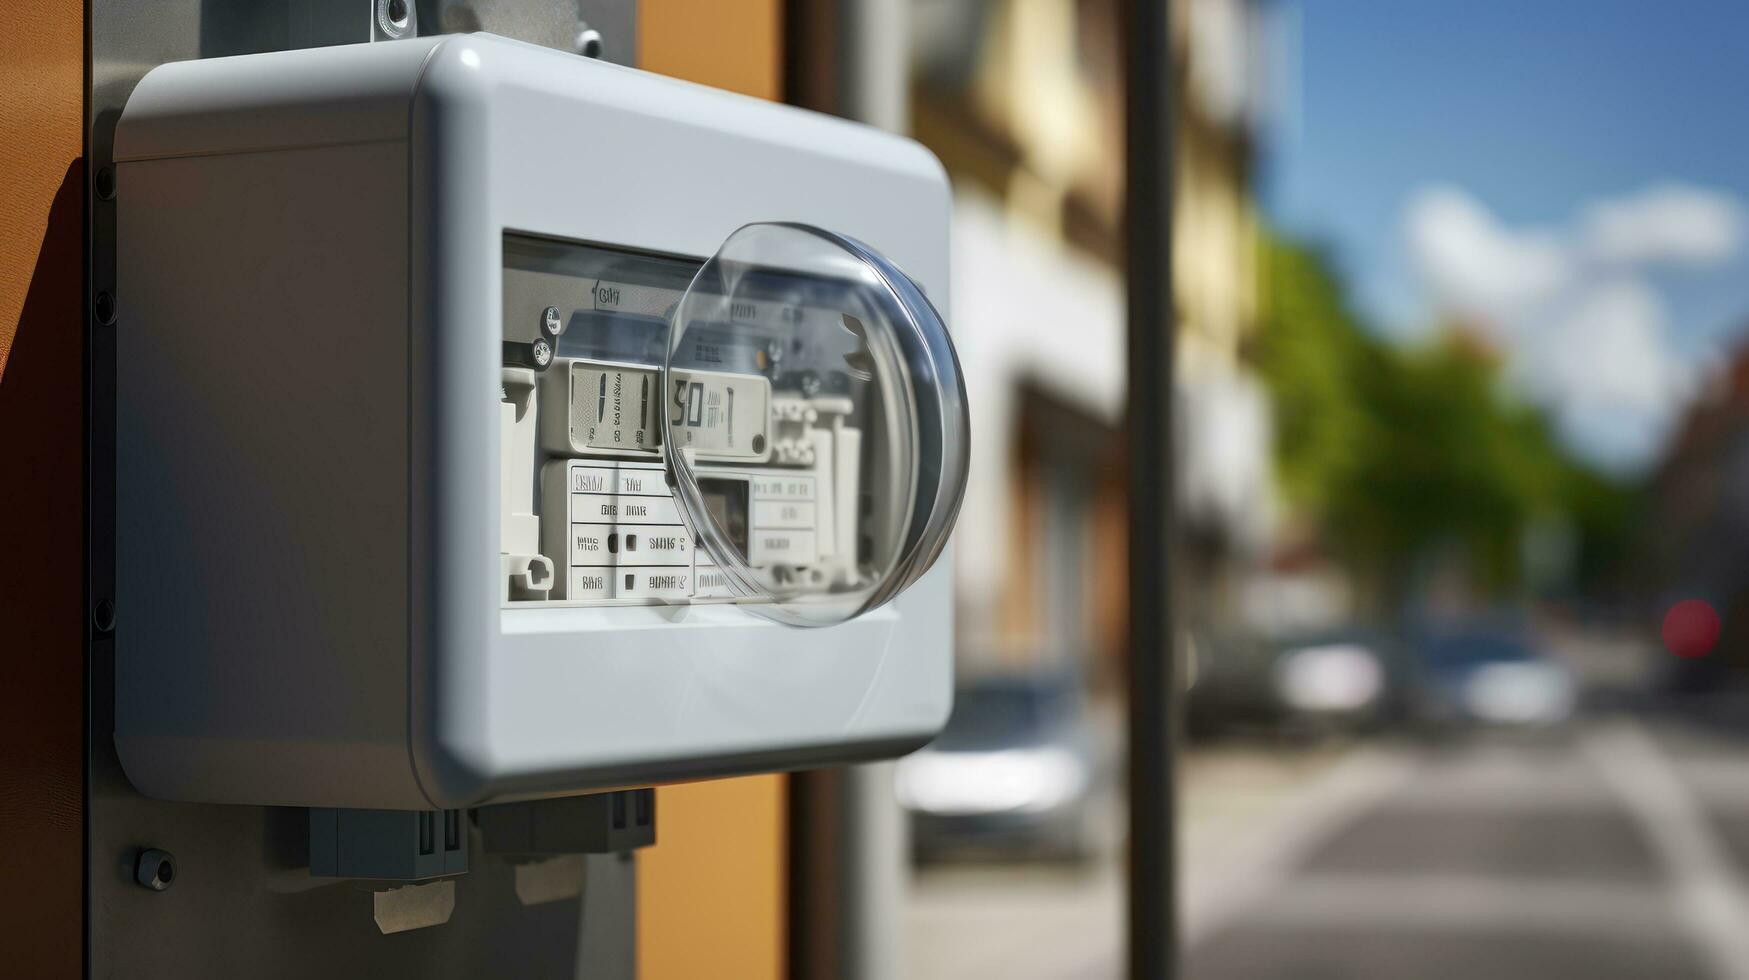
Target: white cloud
{"points": [[1672, 223], [1605, 368], [1607, 348], [1475, 264], [1585, 332]]}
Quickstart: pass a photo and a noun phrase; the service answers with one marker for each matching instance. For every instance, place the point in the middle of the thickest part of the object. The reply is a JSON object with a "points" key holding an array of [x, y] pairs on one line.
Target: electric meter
{"points": [[865, 452], [490, 419]]}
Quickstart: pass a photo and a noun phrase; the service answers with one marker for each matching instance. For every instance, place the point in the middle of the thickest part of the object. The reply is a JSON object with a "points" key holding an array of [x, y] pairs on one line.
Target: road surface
{"points": [[1616, 847]]}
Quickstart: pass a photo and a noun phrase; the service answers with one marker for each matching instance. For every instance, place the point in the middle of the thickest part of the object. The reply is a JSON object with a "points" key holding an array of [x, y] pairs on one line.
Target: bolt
{"points": [[588, 41], [103, 615], [155, 869], [104, 184], [103, 307], [393, 17]]}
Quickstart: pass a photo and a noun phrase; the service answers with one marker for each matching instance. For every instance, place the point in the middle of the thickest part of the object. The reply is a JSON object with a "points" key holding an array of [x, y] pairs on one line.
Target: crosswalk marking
{"points": [[1710, 898]]}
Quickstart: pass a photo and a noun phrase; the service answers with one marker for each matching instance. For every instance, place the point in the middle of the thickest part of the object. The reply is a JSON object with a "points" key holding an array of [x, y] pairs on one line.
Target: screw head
{"points": [[103, 615], [543, 354], [103, 307], [104, 184], [589, 42], [155, 869], [551, 323]]}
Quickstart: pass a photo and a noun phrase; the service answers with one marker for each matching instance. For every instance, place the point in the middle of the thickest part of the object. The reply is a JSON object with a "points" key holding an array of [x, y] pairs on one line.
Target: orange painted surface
{"points": [[713, 892], [732, 44], [41, 538], [41, 116]]}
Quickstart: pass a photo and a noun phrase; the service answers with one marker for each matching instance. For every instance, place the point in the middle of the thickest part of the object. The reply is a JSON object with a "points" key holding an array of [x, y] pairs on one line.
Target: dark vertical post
{"points": [[817, 909], [1152, 667]]}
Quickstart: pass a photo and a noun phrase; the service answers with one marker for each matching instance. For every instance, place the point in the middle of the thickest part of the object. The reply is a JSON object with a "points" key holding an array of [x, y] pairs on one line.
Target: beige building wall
{"points": [[1214, 266], [1034, 139]]}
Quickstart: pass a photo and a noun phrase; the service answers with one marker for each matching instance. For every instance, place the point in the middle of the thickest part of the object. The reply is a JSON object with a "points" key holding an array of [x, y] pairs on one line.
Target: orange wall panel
{"points": [[42, 117], [732, 44], [713, 891], [42, 120]]}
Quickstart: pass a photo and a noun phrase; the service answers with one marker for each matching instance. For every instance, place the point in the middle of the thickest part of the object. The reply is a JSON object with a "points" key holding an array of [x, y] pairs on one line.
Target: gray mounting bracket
{"points": [[600, 823], [388, 845], [608, 31]]}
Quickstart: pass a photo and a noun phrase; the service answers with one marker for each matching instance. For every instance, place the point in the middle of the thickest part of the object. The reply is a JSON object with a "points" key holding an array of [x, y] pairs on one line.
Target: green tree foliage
{"points": [[1399, 454], [1312, 357]]}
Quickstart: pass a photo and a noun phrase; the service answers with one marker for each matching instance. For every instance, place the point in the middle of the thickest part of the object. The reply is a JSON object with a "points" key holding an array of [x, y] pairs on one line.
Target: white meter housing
{"points": [[488, 418]]}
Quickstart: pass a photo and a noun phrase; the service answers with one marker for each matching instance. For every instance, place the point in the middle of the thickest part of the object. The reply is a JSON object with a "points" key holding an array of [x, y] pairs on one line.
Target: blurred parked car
{"points": [[1492, 675], [1016, 770], [1315, 682]]}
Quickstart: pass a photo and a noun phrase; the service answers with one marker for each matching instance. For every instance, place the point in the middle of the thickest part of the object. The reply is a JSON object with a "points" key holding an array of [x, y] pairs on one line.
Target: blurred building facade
{"points": [[1224, 479], [1697, 525], [1023, 102]]}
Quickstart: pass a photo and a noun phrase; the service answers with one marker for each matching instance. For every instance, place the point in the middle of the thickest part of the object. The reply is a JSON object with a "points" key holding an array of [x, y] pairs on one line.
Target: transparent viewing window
{"points": [[745, 431]]}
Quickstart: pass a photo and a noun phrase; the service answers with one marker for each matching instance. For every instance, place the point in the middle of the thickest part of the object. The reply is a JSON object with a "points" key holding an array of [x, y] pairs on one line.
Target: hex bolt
{"points": [[155, 869], [103, 615]]}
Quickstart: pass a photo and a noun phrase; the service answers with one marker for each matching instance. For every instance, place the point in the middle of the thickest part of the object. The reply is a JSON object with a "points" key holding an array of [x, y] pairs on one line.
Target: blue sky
{"points": [[1533, 114]]}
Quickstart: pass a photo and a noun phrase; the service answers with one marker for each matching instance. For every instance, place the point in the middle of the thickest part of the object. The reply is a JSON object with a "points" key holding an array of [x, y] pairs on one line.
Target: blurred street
{"points": [[1019, 919], [1613, 847], [1459, 484]]}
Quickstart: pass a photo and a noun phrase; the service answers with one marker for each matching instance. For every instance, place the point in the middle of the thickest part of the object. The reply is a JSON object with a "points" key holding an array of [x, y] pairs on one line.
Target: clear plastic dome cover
{"points": [[815, 429]]}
